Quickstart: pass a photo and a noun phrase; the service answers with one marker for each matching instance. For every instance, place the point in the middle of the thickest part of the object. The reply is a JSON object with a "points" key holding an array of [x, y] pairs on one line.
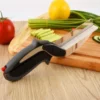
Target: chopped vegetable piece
{"points": [[96, 38], [52, 38], [36, 31], [42, 32], [99, 37], [45, 34]]}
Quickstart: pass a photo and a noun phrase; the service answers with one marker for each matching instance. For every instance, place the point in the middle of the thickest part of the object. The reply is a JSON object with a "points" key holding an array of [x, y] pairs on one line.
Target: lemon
{"points": [[59, 9]]}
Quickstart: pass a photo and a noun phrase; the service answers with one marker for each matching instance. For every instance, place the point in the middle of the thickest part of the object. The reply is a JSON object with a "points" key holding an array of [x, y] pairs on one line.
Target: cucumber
{"points": [[51, 38], [45, 34], [55, 38], [48, 36], [34, 33], [96, 38], [38, 32], [99, 37]]}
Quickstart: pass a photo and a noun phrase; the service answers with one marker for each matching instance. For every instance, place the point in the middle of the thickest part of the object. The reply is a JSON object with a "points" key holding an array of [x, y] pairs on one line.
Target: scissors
{"points": [[42, 51]]}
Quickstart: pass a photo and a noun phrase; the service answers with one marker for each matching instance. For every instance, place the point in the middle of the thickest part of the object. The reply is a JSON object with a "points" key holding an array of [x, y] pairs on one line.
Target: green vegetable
{"points": [[96, 38], [42, 32], [77, 14], [76, 18], [87, 15], [55, 24], [99, 37], [52, 38], [45, 34]]}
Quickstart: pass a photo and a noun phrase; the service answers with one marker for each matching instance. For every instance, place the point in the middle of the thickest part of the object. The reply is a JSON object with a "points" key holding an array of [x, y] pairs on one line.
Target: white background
{"points": [[24, 9]]}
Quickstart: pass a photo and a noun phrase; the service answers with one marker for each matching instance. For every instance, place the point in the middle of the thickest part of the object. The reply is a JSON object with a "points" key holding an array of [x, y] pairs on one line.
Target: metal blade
{"points": [[74, 39]]}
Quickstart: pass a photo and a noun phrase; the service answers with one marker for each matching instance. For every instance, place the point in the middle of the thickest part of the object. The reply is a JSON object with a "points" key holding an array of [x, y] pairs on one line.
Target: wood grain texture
{"points": [[88, 56], [52, 82]]}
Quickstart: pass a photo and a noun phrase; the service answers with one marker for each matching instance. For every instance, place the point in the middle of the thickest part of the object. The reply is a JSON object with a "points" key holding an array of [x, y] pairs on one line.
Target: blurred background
{"points": [[24, 9]]}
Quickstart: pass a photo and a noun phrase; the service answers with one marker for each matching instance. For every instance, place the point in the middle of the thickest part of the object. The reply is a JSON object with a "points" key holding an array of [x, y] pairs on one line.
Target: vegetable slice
{"points": [[96, 38], [51, 38], [99, 37], [45, 34]]}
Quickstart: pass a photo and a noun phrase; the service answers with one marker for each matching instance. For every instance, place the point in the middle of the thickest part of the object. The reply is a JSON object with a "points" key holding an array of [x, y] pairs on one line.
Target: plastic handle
{"points": [[54, 50], [21, 69], [16, 59]]}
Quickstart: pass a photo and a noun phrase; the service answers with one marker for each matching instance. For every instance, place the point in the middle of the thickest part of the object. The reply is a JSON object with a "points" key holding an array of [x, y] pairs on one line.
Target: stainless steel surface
{"points": [[78, 37], [30, 54]]}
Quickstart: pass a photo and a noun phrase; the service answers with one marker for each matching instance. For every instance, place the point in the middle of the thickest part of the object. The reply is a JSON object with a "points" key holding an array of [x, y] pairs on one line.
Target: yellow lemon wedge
{"points": [[59, 9]]}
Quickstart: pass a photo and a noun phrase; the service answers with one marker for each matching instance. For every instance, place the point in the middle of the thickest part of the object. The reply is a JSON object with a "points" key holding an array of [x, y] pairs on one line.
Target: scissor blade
{"points": [[77, 37]]}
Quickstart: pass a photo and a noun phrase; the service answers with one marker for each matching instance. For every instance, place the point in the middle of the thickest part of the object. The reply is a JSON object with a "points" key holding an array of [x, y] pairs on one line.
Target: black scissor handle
{"points": [[16, 59], [54, 50], [15, 69], [22, 69]]}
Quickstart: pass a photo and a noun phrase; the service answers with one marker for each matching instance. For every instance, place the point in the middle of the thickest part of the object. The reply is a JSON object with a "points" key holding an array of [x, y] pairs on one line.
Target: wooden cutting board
{"points": [[88, 56]]}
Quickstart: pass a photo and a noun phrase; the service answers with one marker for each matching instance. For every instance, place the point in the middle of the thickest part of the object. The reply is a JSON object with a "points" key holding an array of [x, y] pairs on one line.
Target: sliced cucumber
{"points": [[43, 31], [96, 38], [99, 37], [48, 36], [57, 37], [51, 38], [33, 33], [45, 34]]}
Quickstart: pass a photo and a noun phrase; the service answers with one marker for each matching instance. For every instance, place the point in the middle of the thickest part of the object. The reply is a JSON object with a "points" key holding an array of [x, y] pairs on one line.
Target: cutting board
{"points": [[87, 56]]}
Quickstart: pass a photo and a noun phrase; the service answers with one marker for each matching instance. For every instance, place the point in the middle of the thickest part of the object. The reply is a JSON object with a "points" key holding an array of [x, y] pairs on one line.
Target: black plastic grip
{"points": [[17, 68], [21, 69], [16, 59], [54, 50]]}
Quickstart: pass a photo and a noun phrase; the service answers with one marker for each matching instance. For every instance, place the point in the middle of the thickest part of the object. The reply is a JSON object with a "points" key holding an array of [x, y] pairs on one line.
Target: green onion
{"points": [[76, 18]]}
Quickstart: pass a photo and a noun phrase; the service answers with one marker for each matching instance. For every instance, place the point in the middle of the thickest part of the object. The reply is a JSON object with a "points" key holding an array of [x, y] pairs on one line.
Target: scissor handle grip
{"points": [[16, 59], [54, 50], [17, 68], [22, 69]]}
